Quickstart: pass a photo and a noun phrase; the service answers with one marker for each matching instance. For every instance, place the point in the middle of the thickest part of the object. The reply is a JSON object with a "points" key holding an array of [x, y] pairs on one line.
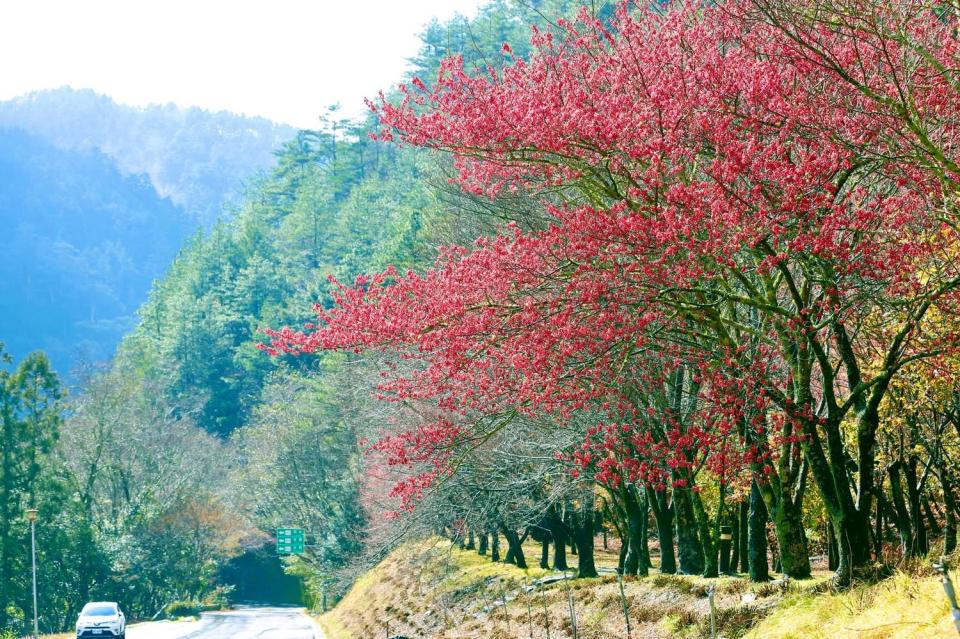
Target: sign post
{"points": [[290, 541]]}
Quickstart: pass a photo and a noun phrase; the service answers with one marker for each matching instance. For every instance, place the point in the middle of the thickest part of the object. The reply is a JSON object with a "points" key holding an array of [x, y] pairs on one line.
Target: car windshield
{"points": [[99, 611]]}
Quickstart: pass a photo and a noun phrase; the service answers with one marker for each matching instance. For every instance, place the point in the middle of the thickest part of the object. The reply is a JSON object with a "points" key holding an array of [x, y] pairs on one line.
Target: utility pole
{"points": [[32, 518]]}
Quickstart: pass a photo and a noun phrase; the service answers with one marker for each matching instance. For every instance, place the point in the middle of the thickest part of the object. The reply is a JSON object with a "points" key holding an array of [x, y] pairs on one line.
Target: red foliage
{"points": [[720, 155]]}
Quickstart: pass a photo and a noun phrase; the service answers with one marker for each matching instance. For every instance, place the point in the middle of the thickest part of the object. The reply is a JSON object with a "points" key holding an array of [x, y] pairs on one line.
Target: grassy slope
{"points": [[430, 590], [901, 607]]}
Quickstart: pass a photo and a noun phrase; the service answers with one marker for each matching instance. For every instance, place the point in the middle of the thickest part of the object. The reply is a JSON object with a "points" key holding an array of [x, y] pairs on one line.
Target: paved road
{"points": [[241, 623]]}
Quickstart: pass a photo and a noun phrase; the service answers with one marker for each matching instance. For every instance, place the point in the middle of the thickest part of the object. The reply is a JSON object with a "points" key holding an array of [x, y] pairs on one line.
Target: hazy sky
{"points": [[283, 59]]}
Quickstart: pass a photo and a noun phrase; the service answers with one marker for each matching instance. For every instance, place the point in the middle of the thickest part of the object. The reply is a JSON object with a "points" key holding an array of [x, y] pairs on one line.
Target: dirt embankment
{"points": [[433, 590]]}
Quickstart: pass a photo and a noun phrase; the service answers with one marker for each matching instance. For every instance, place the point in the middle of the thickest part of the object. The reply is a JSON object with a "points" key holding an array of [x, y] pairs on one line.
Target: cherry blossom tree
{"points": [[748, 186]]}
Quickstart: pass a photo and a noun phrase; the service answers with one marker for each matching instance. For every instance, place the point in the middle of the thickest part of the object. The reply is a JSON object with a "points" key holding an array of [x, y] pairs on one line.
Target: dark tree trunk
{"points": [[663, 515], [833, 557], [828, 465], [708, 534], [744, 536], [877, 529], [471, 540], [514, 547], [634, 563], [900, 508], [545, 552], [950, 516], [919, 539], [792, 540], [495, 546], [484, 542], [782, 492], [689, 549], [558, 531], [735, 545], [757, 533], [645, 563], [583, 530]]}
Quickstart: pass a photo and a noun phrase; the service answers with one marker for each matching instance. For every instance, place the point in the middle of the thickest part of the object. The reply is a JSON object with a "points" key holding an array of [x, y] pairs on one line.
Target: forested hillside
{"points": [[197, 159], [82, 244]]}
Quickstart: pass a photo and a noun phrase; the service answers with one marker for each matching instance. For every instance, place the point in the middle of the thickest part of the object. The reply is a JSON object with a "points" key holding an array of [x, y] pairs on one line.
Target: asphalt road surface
{"points": [[241, 623]]}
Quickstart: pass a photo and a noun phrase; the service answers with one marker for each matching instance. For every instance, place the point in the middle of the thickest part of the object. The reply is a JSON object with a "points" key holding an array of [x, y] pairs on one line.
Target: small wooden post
{"points": [[713, 612], [546, 611], [530, 614], [623, 601], [506, 613], [948, 589], [573, 610]]}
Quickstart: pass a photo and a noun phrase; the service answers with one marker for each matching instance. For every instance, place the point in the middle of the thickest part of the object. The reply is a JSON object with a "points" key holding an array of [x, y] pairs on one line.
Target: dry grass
{"points": [[431, 590], [902, 607]]}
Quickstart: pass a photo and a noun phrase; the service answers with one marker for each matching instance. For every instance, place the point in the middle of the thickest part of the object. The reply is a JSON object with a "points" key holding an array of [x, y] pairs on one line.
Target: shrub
{"points": [[178, 609]]}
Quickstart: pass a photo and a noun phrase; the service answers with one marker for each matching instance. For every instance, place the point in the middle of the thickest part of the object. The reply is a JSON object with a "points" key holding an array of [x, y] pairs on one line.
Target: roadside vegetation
{"points": [[433, 589]]}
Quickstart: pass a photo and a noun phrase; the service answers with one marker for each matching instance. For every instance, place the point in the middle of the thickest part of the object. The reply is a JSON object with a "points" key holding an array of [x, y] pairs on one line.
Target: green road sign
{"points": [[290, 541]]}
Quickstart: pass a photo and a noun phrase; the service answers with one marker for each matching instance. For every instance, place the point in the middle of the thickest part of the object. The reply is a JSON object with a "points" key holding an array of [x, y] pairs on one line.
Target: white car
{"points": [[101, 619]]}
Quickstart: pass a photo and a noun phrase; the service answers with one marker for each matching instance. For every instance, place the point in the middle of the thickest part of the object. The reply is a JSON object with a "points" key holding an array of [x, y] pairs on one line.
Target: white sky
{"points": [[283, 59]]}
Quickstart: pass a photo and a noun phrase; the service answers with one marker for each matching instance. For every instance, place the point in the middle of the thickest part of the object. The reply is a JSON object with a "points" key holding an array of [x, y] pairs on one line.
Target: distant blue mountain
{"points": [[96, 200], [199, 159], [80, 245]]}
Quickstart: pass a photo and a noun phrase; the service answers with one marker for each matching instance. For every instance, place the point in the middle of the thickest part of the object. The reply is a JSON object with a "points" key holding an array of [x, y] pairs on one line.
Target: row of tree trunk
{"points": [[687, 544]]}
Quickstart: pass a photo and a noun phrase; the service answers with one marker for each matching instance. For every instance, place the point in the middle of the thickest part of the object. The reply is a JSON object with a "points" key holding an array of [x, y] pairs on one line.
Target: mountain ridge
{"points": [[199, 159]]}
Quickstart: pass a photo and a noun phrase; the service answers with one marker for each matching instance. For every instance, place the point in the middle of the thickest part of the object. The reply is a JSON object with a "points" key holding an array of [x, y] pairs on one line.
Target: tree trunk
{"points": [[495, 546], [645, 563], [688, 543], [900, 508], [744, 536], [471, 540], [950, 516], [663, 515], [559, 533], [877, 529], [851, 520], [757, 537], [545, 552], [634, 562], [514, 547], [583, 528], [833, 557], [484, 541], [792, 540], [782, 491], [708, 534], [735, 544], [919, 540]]}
